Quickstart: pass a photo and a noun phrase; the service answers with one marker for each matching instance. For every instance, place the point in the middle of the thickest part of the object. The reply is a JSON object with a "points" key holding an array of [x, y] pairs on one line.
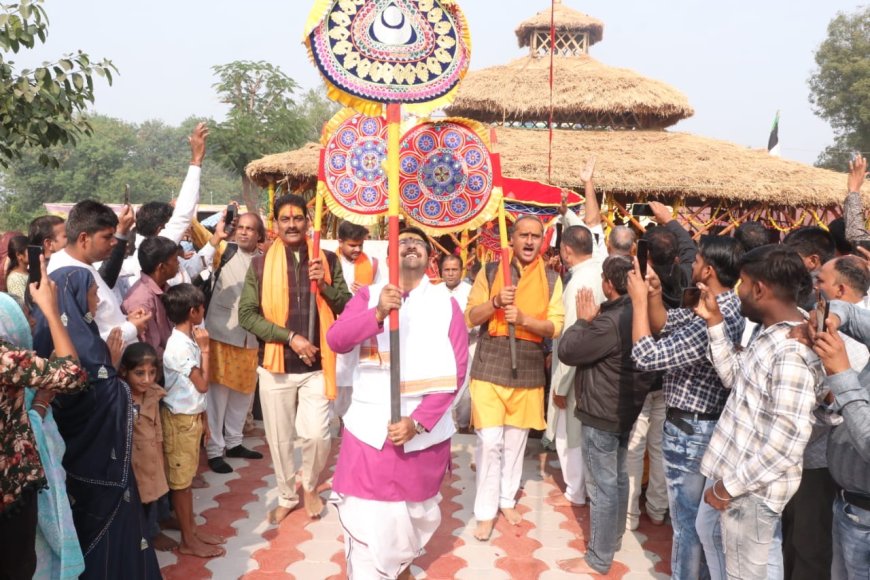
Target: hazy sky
{"points": [[738, 61]]}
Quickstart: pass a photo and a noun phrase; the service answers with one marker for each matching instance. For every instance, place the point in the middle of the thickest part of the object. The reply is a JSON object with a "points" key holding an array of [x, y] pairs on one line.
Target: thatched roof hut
{"points": [[631, 165], [567, 20], [294, 167], [587, 93]]}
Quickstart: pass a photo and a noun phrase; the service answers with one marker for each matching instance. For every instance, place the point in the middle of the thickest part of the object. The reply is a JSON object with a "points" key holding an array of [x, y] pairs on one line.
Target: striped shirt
{"points": [[690, 383], [758, 444]]}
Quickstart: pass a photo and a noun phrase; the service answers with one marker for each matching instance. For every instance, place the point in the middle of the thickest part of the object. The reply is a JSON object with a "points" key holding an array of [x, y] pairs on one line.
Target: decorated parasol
{"points": [[352, 180], [377, 53], [449, 180]]}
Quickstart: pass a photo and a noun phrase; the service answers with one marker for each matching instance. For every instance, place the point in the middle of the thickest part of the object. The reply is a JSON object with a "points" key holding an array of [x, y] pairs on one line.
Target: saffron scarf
{"points": [[363, 270], [276, 309], [533, 299]]}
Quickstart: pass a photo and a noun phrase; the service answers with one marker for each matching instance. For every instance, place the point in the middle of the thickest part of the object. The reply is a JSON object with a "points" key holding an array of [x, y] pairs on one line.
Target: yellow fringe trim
{"points": [[371, 108], [342, 212]]}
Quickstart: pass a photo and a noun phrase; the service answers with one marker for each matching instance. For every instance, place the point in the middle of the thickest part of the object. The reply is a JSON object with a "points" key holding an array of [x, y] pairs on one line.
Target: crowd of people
{"points": [[737, 365]]}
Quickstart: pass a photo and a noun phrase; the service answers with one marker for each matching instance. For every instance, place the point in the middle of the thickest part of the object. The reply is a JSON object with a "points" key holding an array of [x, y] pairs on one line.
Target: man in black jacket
{"points": [[610, 395]]}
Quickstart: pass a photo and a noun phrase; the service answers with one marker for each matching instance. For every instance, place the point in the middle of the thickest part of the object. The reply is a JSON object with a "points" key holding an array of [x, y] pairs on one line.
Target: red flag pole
{"points": [[394, 121]]}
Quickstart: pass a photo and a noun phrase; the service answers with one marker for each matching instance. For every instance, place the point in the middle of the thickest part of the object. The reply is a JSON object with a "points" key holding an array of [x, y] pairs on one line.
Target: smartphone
{"points": [[823, 310], [862, 244], [691, 298], [127, 194], [34, 271], [642, 256], [229, 218], [641, 210]]}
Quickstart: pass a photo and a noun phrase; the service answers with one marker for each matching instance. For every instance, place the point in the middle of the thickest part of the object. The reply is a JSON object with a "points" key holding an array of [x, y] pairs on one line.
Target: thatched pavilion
{"points": [[621, 117]]}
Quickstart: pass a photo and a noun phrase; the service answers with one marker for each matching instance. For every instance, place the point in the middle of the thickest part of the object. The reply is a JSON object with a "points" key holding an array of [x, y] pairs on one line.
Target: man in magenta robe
{"points": [[388, 476]]}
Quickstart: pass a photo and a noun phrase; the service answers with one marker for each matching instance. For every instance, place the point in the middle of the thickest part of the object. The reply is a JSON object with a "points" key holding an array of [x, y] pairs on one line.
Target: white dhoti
{"points": [[382, 538]]}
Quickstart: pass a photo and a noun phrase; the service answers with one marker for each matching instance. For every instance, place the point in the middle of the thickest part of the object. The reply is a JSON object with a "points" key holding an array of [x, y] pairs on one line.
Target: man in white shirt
{"points": [[592, 213], [451, 268], [563, 426], [90, 231], [359, 271], [161, 219]]}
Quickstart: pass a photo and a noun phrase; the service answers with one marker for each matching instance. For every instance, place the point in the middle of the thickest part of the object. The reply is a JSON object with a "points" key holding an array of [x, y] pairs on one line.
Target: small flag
{"points": [[773, 142]]}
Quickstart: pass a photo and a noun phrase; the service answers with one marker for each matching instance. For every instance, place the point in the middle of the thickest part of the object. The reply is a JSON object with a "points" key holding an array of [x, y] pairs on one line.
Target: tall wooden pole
{"points": [[506, 276], [394, 122], [315, 250]]}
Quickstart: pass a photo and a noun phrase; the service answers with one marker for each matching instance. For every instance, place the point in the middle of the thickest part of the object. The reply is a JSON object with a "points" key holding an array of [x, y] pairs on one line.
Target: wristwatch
{"points": [[420, 429]]}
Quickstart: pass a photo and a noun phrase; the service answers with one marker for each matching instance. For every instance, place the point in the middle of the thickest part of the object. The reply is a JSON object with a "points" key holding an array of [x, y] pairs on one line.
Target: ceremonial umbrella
{"points": [[385, 53]]}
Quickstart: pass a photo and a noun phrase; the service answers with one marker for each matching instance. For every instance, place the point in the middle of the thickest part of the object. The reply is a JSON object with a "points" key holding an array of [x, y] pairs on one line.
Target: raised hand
{"points": [[708, 308], [115, 342], [661, 213], [638, 290], [857, 173], [589, 170], [197, 141], [126, 220], [586, 308], [44, 293], [831, 349]]}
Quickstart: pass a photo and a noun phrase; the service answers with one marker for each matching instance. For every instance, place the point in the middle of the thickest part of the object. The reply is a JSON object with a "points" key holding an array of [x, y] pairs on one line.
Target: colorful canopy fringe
{"points": [[372, 53]]}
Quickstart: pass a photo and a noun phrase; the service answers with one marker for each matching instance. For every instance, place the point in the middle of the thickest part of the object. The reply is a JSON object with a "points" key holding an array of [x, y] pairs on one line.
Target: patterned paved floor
{"points": [[235, 505]]}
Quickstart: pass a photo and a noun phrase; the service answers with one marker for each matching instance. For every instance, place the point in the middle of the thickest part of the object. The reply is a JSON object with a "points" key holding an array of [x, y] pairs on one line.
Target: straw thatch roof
{"points": [[567, 20], [586, 92], [669, 165], [632, 164], [298, 165]]}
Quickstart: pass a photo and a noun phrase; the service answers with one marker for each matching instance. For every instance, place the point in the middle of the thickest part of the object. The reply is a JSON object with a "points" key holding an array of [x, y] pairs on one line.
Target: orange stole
{"points": [[363, 271], [532, 298], [276, 309]]}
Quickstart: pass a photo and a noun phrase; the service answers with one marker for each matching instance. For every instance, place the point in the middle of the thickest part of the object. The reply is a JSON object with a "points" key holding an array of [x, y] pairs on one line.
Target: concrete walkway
{"points": [[235, 505]]}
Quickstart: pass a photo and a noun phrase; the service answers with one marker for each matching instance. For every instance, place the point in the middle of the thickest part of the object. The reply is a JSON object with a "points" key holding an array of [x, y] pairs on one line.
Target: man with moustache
{"points": [[296, 372], [388, 476], [506, 405], [233, 350]]}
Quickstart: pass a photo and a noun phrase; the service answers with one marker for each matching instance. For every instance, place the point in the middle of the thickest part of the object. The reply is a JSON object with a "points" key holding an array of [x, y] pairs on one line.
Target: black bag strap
{"points": [[228, 255]]}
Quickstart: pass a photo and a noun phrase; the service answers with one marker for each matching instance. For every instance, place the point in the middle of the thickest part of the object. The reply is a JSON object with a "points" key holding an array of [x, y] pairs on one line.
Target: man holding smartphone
{"points": [[693, 392], [754, 458]]}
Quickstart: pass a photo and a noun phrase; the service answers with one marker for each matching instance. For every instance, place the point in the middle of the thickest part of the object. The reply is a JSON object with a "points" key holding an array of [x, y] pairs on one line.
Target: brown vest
{"points": [[492, 359]]}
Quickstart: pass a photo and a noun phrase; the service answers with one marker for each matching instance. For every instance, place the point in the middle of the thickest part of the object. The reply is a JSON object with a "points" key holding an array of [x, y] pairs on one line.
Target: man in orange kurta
{"points": [[505, 406]]}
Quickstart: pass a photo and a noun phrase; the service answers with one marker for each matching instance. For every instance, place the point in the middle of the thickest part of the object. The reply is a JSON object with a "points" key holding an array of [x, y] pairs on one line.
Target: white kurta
{"points": [[586, 274]]}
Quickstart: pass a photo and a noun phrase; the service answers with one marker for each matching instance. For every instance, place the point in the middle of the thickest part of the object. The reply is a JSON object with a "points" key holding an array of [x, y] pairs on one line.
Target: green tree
{"points": [[263, 118], [44, 106], [151, 157], [315, 111], [840, 86]]}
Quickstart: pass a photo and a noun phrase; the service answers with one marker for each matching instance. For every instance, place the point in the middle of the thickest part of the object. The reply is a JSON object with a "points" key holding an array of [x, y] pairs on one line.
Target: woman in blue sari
{"points": [[97, 427], [58, 555]]}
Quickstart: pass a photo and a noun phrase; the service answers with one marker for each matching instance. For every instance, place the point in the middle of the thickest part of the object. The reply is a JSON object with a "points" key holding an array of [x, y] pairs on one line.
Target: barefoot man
{"points": [[504, 407], [388, 477], [297, 375]]}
